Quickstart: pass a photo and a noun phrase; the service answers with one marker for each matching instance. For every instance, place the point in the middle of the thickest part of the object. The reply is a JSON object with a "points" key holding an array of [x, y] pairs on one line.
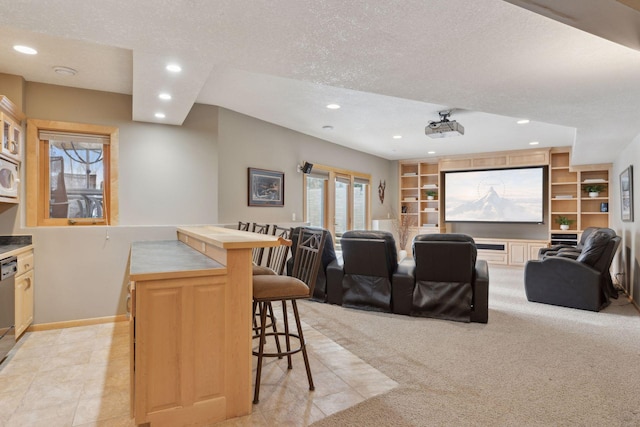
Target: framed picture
{"points": [[266, 188], [626, 194]]}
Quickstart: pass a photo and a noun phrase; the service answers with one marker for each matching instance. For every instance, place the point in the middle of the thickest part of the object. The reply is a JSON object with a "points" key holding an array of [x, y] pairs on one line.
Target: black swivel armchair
{"points": [[584, 283], [447, 282], [364, 281]]}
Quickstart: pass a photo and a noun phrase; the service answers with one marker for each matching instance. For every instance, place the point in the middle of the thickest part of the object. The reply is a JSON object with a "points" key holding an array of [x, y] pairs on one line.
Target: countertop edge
{"points": [[15, 252], [257, 241]]}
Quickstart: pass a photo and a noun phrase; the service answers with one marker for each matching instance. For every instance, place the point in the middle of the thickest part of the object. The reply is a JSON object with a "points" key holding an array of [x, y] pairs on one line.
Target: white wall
{"points": [[627, 261], [245, 142], [167, 177]]}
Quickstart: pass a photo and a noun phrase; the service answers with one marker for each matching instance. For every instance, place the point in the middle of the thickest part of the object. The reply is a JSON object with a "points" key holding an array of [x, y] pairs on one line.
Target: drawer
{"points": [[25, 262]]}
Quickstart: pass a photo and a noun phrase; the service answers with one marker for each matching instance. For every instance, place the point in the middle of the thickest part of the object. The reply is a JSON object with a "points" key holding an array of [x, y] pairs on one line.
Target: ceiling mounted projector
{"points": [[443, 128]]}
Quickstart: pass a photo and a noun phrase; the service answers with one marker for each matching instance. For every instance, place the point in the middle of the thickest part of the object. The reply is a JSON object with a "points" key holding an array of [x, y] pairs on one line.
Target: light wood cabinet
{"points": [[179, 350], [508, 251], [24, 286], [11, 131], [190, 306]]}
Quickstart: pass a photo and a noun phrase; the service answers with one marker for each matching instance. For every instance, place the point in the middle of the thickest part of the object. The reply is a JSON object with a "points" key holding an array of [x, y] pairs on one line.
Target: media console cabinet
{"points": [[508, 251]]}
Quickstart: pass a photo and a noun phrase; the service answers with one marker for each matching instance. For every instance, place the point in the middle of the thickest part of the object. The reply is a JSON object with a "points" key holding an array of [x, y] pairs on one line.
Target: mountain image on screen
{"points": [[492, 207]]}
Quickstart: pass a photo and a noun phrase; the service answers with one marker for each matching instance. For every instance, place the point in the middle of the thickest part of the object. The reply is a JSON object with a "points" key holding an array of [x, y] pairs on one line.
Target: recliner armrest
{"points": [[480, 312], [335, 273], [402, 284]]}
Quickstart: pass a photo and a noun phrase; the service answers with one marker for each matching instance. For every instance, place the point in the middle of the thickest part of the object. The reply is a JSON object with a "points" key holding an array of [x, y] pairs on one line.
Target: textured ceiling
{"points": [[391, 65]]}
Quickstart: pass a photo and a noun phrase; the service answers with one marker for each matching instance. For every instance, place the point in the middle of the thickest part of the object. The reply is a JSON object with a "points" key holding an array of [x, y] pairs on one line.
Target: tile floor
{"points": [[80, 377]]}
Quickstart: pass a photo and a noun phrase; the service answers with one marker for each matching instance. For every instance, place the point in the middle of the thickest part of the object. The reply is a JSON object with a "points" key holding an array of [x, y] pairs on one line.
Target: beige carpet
{"points": [[531, 365]]}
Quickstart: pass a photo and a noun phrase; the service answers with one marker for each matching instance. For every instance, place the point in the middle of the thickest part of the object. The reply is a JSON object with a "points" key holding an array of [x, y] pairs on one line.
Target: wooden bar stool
{"points": [[270, 288]]}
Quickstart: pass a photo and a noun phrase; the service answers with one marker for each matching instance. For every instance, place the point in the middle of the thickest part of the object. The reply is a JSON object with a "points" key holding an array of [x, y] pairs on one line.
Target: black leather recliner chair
{"points": [[447, 281], [369, 261], [328, 259], [584, 283], [563, 248]]}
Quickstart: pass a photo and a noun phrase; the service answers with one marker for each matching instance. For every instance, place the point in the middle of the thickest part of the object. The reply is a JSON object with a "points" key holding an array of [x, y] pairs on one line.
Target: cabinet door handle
{"points": [[28, 285]]}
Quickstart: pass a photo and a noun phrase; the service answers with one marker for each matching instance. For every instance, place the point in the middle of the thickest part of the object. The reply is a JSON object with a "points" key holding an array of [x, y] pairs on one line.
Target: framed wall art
{"points": [[626, 194], [266, 188]]}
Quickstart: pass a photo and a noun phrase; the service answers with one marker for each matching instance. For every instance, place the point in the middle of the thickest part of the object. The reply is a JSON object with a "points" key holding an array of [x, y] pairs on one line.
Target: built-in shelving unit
{"points": [[568, 197], [420, 195]]}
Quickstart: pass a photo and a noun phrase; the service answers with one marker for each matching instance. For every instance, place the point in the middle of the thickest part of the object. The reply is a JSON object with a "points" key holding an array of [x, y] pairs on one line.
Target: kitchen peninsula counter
{"points": [[191, 325]]}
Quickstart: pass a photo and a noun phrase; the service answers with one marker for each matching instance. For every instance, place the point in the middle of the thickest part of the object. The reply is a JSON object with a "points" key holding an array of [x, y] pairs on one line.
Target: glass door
{"points": [[342, 201], [316, 200], [360, 203], [337, 200]]}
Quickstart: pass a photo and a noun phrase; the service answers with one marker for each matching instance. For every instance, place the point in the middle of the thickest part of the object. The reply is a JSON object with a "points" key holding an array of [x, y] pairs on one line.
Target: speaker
{"points": [[306, 168]]}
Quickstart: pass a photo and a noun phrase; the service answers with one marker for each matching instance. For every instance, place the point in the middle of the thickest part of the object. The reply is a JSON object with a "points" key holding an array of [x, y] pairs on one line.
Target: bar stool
{"points": [[270, 288], [258, 252], [276, 261]]}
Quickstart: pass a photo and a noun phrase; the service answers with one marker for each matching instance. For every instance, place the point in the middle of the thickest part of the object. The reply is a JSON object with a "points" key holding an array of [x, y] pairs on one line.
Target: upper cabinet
{"points": [[11, 131]]}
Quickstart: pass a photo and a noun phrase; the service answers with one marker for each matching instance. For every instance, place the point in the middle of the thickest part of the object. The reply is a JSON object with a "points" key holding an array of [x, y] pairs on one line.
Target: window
{"points": [[360, 203], [316, 190], [71, 174], [336, 199]]}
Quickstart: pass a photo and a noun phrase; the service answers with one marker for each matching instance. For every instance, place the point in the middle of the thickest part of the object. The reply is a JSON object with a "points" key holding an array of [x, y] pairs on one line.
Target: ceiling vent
{"points": [[444, 128]]}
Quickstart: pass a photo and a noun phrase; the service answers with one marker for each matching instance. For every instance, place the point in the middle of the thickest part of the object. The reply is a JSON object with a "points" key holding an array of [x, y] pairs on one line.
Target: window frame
{"points": [[329, 202], [37, 185]]}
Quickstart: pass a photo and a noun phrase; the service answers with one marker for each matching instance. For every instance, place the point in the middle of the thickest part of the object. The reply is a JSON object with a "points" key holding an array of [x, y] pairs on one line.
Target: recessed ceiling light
{"points": [[327, 127], [534, 143], [431, 152], [65, 71], [25, 49], [160, 115], [333, 106], [523, 121], [164, 96], [174, 68], [397, 136]]}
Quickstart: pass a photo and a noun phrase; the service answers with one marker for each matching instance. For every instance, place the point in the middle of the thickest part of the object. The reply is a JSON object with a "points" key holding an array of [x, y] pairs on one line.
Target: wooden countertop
{"points": [[227, 238], [165, 259]]}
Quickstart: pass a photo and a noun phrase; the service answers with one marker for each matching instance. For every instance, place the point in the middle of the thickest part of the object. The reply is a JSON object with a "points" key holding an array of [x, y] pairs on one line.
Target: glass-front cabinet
{"points": [[10, 129]]}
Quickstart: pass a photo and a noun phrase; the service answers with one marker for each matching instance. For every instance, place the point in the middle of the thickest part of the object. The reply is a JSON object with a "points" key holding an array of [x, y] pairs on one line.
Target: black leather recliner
{"points": [[584, 283], [447, 281], [563, 248], [369, 261], [328, 259]]}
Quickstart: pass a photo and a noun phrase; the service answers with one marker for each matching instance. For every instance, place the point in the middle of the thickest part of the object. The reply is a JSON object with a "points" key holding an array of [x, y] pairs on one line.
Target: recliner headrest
{"points": [[595, 245], [447, 237], [390, 242]]}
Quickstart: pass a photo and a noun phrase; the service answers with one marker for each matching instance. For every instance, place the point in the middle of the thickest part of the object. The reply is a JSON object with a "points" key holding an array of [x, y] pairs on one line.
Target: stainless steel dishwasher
{"points": [[8, 268]]}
